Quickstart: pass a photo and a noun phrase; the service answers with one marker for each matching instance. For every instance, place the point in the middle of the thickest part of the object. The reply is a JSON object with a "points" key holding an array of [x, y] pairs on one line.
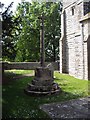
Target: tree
{"points": [[52, 32], [28, 36], [8, 24], [28, 41]]}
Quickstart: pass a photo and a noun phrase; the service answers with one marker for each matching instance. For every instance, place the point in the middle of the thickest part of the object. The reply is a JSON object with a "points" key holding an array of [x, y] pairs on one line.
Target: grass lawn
{"points": [[16, 104]]}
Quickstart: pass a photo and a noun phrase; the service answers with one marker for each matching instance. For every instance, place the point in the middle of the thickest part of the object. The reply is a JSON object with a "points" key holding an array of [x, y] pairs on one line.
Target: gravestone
{"points": [[43, 82]]}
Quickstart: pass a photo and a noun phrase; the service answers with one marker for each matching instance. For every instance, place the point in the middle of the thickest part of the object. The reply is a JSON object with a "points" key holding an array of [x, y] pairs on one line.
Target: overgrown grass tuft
{"points": [[16, 104]]}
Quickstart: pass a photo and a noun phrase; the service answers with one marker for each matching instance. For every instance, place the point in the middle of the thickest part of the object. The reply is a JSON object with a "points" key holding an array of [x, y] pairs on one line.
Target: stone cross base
{"points": [[43, 83]]}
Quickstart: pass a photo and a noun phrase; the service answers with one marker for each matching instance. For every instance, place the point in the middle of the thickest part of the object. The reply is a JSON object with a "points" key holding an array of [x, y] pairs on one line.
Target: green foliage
{"points": [[52, 31], [20, 32], [28, 33], [8, 25], [16, 104], [28, 36]]}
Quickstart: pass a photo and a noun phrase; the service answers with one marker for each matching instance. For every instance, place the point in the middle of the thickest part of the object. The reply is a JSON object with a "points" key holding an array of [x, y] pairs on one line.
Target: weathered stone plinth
{"points": [[43, 83]]}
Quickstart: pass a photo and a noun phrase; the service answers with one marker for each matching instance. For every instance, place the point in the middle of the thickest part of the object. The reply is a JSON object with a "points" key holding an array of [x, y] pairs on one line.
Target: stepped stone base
{"points": [[43, 83]]}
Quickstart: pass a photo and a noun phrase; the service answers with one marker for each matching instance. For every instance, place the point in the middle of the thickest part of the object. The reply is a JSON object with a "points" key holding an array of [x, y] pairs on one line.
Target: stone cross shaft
{"points": [[42, 46]]}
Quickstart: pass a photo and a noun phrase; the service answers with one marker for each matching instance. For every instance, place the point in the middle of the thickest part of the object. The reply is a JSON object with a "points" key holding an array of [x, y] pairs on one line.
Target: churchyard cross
{"points": [[42, 45], [43, 82]]}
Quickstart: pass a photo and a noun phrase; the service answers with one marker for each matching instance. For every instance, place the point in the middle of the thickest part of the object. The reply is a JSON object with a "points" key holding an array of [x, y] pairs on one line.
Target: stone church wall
{"points": [[75, 42], [86, 35]]}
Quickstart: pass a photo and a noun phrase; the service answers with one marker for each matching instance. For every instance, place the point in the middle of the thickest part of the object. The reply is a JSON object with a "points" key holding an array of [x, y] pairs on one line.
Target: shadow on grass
{"points": [[16, 104], [10, 76]]}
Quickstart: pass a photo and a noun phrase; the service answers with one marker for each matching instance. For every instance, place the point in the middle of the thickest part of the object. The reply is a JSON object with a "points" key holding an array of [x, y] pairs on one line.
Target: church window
{"points": [[86, 7], [73, 10]]}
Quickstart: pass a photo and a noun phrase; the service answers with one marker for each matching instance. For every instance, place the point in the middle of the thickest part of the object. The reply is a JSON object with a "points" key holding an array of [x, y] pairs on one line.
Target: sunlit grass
{"points": [[72, 85], [20, 71], [16, 104]]}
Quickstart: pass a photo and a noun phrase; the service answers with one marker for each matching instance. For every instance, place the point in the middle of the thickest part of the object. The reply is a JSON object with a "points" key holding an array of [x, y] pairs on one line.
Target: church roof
{"points": [[67, 3]]}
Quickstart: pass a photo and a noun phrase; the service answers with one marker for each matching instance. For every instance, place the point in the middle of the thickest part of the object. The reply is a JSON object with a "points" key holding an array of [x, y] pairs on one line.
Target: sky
{"points": [[7, 2]]}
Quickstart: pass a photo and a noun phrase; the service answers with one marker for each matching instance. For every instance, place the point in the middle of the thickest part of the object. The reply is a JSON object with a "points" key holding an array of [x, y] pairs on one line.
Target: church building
{"points": [[75, 39]]}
